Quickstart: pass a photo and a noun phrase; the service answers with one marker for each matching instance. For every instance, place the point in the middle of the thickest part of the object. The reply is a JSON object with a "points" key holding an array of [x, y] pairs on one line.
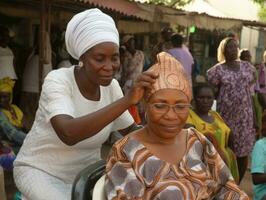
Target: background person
{"points": [[233, 79], [182, 54], [11, 117], [211, 124], [71, 123], [163, 160], [258, 164], [6, 55]]}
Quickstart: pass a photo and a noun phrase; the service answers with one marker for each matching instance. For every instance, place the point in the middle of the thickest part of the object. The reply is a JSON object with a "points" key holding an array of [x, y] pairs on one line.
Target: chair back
{"points": [[85, 181], [98, 191]]}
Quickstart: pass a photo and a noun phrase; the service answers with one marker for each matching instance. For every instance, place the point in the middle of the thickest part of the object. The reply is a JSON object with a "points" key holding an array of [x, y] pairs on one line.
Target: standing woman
{"points": [[79, 107], [233, 79]]}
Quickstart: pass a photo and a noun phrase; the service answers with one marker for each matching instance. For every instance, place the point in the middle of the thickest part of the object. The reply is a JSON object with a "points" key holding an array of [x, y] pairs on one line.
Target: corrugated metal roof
{"points": [[124, 7]]}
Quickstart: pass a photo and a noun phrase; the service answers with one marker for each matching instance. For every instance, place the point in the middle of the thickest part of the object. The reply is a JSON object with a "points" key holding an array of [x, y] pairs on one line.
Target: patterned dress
{"points": [[234, 103], [133, 172]]}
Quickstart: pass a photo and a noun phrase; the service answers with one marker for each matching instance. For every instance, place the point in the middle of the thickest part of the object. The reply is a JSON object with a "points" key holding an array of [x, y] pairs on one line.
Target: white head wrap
{"points": [[87, 29]]}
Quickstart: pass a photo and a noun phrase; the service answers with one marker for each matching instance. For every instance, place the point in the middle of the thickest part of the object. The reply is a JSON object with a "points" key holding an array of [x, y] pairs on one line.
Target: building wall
{"points": [[249, 40]]}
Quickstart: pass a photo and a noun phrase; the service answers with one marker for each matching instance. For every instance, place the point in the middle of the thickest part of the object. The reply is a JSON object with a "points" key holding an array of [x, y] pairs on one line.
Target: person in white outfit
{"points": [[78, 108], [6, 55]]}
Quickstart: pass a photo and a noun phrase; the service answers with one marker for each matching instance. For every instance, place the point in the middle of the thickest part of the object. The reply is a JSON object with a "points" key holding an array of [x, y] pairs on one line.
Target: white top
{"points": [[6, 63], [43, 149], [30, 80]]}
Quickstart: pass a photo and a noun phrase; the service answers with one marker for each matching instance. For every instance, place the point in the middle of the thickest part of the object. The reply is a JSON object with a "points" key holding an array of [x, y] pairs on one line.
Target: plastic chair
{"points": [[98, 191], [85, 181]]}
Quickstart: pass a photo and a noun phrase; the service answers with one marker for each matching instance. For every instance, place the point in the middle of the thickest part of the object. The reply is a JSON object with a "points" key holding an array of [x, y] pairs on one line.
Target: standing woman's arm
{"points": [[73, 130]]}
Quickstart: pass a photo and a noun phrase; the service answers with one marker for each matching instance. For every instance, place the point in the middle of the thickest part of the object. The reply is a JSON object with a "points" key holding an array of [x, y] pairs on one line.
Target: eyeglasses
{"points": [[163, 108]]}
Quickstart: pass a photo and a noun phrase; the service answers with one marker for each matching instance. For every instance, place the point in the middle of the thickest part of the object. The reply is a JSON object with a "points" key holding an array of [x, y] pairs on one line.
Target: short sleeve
{"points": [[258, 159], [214, 76], [121, 181], [125, 119], [56, 95]]}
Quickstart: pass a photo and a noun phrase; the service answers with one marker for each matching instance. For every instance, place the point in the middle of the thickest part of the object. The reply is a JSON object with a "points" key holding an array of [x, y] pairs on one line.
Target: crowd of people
{"points": [[183, 150]]}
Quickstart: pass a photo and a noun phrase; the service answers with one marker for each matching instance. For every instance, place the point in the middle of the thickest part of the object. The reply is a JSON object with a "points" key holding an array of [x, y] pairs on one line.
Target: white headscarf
{"points": [[87, 29]]}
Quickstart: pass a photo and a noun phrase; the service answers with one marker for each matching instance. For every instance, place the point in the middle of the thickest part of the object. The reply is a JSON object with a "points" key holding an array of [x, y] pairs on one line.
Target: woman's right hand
{"points": [[142, 83]]}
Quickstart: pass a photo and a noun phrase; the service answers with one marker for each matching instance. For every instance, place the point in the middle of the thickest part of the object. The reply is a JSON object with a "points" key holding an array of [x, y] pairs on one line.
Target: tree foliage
{"points": [[262, 12], [170, 2]]}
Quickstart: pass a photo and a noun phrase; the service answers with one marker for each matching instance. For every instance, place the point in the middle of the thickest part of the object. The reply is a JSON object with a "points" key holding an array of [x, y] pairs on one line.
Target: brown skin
{"points": [[231, 54], [5, 98], [164, 135], [203, 103], [260, 178], [100, 64]]}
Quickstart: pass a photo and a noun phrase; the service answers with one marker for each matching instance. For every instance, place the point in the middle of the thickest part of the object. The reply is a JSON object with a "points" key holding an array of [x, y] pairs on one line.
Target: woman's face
{"points": [[101, 62], [5, 98], [231, 50], [204, 100], [167, 112]]}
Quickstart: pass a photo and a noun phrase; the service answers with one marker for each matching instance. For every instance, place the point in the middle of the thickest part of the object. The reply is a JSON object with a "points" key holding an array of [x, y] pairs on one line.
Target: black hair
{"points": [[242, 54], [199, 86], [177, 40]]}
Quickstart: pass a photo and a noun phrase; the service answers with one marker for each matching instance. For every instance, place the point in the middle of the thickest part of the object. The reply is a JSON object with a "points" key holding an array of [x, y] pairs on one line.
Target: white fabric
{"points": [[42, 149], [30, 80], [6, 63], [64, 64], [87, 29], [98, 190], [35, 184]]}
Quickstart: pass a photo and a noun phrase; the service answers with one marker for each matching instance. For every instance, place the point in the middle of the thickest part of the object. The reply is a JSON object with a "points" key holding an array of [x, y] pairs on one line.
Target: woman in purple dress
{"points": [[233, 79]]}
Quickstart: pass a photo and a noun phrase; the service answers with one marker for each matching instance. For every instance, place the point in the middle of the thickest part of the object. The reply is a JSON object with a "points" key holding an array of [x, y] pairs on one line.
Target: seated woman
{"points": [[11, 117], [163, 160], [211, 124]]}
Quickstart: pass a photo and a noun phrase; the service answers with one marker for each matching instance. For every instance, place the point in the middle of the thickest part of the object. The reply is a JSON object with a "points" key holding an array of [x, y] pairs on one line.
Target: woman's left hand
{"points": [[144, 81]]}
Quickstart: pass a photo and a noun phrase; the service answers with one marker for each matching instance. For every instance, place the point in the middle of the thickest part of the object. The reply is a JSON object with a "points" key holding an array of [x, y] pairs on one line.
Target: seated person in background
{"points": [[11, 117], [258, 164], [211, 124], [162, 160]]}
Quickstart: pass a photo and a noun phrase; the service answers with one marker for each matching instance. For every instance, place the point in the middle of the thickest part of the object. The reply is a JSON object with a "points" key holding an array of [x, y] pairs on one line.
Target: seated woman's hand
{"points": [[142, 83]]}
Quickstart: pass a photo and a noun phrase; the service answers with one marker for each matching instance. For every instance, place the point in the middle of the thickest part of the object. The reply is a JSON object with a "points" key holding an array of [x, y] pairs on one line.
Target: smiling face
{"points": [[167, 124], [101, 62], [231, 50]]}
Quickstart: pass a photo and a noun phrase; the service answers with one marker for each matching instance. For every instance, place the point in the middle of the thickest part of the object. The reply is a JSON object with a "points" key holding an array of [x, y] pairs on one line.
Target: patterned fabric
{"points": [[131, 67], [234, 103], [133, 172], [221, 132], [10, 132]]}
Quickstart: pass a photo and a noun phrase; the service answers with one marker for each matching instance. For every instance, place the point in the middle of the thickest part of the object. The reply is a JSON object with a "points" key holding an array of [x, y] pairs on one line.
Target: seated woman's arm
{"points": [[121, 181], [221, 174]]}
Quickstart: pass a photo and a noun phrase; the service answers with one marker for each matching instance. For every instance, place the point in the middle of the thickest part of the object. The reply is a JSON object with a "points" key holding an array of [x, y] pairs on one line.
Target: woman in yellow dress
{"points": [[211, 124]]}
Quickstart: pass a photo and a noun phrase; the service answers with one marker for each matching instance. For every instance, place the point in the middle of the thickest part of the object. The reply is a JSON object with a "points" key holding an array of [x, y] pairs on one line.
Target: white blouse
{"points": [[43, 149]]}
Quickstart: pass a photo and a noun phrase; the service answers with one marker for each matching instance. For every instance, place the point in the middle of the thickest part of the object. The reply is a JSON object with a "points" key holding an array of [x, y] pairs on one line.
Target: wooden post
{"points": [[41, 41], [45, 21]]}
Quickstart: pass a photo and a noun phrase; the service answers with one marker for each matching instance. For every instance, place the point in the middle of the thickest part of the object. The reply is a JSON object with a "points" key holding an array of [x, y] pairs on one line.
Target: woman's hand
{"points": [[142, 83]]}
